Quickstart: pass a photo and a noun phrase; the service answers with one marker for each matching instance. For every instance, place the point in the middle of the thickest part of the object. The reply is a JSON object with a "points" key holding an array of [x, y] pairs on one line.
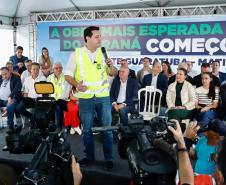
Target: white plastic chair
{"points": [[152, 102]]}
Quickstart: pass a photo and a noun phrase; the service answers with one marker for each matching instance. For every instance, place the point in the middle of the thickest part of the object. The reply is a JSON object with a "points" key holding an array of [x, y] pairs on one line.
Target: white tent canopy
{"points": [[22, 8]]}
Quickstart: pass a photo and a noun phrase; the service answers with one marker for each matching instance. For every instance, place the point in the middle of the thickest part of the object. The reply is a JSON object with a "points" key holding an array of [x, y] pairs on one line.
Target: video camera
{"points": [[51, 162], [147, 147]]}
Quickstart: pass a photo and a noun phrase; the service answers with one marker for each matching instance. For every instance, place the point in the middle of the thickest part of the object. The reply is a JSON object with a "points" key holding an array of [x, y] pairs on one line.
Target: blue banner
{"points": [[176, 39]]}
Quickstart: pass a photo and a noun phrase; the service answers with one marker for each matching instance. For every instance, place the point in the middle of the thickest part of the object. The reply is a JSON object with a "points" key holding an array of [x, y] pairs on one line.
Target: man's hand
{"points": [[80, 87], [77, 175], [116, 107], [120, 106], [20, 64], [109, 62]]}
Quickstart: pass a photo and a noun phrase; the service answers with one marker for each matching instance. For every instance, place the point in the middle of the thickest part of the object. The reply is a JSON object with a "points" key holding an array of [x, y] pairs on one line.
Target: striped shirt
{"points": [[202, 96]]}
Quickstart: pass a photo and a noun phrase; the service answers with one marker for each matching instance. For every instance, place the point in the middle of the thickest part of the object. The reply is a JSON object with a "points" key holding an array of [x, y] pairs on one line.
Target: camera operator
{"points": [[185, 169]]}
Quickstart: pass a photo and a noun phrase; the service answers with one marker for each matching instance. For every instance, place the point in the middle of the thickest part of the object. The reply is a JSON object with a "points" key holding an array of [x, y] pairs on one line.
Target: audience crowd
{"points": [[187, 95]]}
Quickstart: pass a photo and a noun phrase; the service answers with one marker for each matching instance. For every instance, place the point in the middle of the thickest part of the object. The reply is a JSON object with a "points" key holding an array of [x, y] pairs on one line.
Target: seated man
{"points": [[123, 92], [197, 80], [29, 94], [18, 60], [216, 72], [58, 80], [9, 65], [144, 71], [10, 93], [158, 80], [132, 73]]}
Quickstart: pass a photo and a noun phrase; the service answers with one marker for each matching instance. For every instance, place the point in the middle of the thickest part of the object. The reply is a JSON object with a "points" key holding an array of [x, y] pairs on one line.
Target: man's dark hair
{"points": [[4, 68], [19, 48], [9, 63], [221, 161], [216, 61], [88, 31], [184, 70], [205, 65], [28, 60], [35, 64], [146, 58]]}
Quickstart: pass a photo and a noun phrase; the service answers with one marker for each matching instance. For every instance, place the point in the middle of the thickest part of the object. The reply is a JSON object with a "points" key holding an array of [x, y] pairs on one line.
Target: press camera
{"points": [[51, 161], [148, 148]]}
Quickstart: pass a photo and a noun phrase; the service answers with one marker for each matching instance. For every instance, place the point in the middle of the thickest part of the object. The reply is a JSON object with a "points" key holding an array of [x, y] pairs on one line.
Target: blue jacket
{"points": [[162, 84], [222, 76], [131, 91], [16, 60], [15, 87]]}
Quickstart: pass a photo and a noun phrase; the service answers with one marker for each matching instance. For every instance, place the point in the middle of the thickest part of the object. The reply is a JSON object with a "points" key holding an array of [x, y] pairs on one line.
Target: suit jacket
{"points": [[15, 87], [162, 84], [140, 76], [131, 91], [222, 76], [16, 60], [197, 81], [187, 95]]}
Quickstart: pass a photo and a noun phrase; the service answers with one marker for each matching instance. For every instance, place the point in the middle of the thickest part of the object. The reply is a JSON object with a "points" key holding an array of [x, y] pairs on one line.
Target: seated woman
{"points": [[166, 69], [180, 98], [71, 116], [207, 99], [46, 62]]}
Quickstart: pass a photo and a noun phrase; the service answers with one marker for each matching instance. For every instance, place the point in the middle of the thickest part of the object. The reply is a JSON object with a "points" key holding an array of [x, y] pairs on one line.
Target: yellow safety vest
{"points": [[93, 75], [58, 85]]}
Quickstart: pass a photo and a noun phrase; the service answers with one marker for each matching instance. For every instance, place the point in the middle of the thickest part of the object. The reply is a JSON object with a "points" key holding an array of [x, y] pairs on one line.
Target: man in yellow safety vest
{"points": [[87, 70]]}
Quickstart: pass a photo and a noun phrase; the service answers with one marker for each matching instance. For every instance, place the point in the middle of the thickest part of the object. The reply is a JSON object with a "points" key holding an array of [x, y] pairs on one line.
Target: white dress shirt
{"points": [[29, 86], [5, 90], [154, 80], [122, 92]]}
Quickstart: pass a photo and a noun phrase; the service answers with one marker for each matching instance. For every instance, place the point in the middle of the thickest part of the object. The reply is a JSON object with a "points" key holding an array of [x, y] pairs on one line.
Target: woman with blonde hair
{"points": [[46, 62]]}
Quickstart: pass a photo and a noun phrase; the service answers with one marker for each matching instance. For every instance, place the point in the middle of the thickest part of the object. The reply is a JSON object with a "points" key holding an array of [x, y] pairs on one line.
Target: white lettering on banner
{"points": [[183, 45], [198, 45], [210, 42], [135, 63], [164, 43]]}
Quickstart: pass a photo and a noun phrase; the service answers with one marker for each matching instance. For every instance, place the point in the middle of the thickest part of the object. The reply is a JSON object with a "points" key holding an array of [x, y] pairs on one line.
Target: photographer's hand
{"points": [[191, 130], [177, 134], [186, 174], [77, 175]]}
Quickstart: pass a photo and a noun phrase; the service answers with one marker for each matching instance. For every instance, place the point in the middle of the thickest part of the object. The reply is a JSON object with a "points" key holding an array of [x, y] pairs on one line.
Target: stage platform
{"points": [[92, 175]]}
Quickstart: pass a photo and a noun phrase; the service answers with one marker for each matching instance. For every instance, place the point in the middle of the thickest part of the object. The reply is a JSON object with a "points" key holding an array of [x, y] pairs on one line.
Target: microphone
{"points": [[105, 54], [95, 62]]}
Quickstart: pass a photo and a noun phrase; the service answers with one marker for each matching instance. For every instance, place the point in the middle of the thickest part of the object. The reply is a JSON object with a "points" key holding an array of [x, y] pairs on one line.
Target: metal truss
{"points": [[132, 13], [32, 38], [219, 9]]}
